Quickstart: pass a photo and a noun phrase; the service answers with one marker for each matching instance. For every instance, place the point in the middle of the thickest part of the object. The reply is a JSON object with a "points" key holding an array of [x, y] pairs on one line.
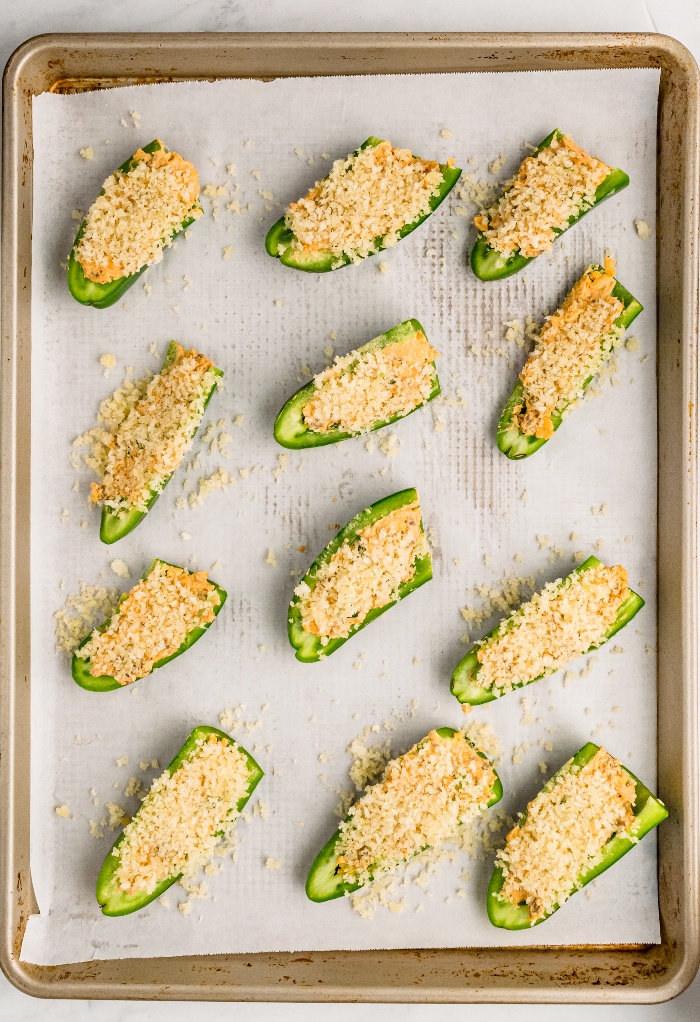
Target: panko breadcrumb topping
{"points": [[364, 574], [566, 827], [372, 194], [148, 444], [136, 215], [183, 817], [370, 386], [554, 184], [556, 625], [152, 622], [420, 802], [572, 346]]}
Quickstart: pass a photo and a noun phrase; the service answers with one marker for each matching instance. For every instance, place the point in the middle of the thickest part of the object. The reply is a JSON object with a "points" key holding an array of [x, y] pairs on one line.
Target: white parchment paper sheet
{"points": [[262, 322]]}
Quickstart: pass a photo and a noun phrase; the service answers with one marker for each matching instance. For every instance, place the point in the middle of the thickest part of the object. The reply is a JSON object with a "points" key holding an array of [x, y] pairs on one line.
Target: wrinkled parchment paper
{"points": [[592, 489]]}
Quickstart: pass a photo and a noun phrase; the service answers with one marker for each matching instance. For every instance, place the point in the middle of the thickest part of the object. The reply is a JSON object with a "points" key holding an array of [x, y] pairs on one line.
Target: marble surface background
{"points": [[679, 18]]}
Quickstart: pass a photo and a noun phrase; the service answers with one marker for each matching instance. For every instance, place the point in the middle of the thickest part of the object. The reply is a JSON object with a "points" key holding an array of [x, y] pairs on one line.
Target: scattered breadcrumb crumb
{"points": [[87, 153]]}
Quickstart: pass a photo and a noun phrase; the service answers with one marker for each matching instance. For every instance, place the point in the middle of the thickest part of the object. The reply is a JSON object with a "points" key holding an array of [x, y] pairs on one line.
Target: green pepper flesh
{"points": [[510, 438], [115, 902], [279, 240], [488, 264], [466, 689], [324, 883], [80, 666], [101, 296], [649, 812], [308, 646], [292, 432]]}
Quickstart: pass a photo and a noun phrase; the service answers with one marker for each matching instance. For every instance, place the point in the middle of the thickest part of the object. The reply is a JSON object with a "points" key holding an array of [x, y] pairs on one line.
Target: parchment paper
{"points": [[262, 322]]}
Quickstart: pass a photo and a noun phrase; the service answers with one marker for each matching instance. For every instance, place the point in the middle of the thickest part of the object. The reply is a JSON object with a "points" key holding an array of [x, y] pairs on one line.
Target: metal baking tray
{"points": [[559, 974]]}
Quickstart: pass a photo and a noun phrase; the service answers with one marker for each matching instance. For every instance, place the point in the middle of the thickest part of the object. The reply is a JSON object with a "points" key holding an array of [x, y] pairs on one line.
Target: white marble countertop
{"points": [[679, 18]]}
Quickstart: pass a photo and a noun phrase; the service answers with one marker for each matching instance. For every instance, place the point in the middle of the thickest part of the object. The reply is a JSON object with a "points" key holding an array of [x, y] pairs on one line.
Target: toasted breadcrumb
{"points": [[363, 575], [572, 346], [152, 622], [184, 817], [136, 214], [372, 194], [557, 624], [149, 428], [564, 832], [82, 611], [371, 385], [424, 796], [554, 184]]}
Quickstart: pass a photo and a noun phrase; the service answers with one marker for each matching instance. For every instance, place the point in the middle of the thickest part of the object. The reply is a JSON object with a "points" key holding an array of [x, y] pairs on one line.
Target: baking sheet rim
{"points": [[17, 180]]}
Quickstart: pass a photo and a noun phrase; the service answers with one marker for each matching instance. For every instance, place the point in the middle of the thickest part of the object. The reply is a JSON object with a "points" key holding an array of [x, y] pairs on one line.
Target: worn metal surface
{"points": [[591, 974]]}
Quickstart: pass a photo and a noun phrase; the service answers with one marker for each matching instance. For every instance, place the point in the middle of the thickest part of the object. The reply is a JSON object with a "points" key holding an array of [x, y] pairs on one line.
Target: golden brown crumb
{"points": [[424, 796], [370, 386], [149, 442], [184, 817], [566, 827], [363, 575], [369, 195], [556, 183], [152, 622], [561, 622], [129, 224], [572, 346]]}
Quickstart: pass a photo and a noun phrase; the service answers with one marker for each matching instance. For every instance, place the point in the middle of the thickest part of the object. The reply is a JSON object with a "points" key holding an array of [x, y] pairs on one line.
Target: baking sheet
{"points": [[262, 323]]}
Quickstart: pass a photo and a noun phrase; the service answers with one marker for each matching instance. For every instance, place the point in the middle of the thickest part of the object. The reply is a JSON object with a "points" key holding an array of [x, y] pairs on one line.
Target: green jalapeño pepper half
{"points": [[115, 525], [648, 811], [291, 429], [464, 685], [115, 902], [309, 647], [490, 264], [325, 880], [101, 296], [280, 240], [80, 666], [510, 438]]}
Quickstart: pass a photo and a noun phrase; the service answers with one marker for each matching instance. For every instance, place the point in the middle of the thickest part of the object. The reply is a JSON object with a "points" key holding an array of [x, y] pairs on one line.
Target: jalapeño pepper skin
{"points": [[80, 666], [115, 902], [466, 689], [324, 882], [280, 239], [101, 296], [292, 432], [308, 646], [489, 264], [114, 526], [649, 812], [510, 438]]}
